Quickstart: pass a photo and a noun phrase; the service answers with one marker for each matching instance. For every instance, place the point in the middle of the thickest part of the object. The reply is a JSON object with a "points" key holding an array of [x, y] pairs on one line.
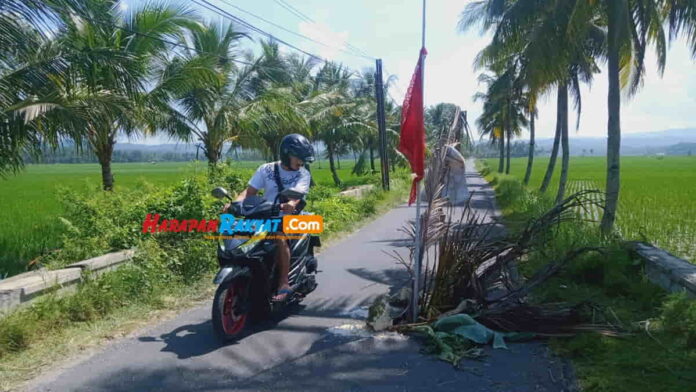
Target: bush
{"points": [[338, 212], [483, 167], [321, 192], [679, 318]]}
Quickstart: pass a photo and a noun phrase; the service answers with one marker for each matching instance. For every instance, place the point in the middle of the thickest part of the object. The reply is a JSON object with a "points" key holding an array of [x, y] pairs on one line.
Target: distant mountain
{"points": [[645, 143], [682, 149], [670, 142], [178, 147]]}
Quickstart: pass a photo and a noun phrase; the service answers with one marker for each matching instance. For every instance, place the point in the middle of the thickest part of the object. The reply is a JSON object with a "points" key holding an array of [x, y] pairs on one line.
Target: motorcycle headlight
{"points": [[229, 244], [250, 243]]}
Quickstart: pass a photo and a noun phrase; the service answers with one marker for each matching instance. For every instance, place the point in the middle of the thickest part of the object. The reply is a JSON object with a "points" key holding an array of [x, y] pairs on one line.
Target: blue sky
{"points": [[391, 30]]}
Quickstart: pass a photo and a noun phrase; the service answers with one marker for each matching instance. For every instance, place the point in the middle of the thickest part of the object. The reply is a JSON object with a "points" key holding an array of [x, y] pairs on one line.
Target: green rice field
{"points": [[29, 206], [657, 201]]}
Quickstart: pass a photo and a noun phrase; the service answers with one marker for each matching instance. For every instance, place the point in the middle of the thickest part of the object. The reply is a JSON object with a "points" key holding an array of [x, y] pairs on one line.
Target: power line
{"points": [[184, 46], [212, 7], [306, 18], [294, 11], [353, 53]]}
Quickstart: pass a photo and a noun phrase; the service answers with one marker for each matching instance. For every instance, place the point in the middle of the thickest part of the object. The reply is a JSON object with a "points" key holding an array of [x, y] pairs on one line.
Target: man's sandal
{"points": [[288, 292]]}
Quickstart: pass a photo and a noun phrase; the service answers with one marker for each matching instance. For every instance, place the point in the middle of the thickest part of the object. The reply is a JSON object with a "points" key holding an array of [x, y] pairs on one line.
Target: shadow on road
{"points": [[187, 341], [195, 340], [348, 364], [394, 278], [396, 242]]}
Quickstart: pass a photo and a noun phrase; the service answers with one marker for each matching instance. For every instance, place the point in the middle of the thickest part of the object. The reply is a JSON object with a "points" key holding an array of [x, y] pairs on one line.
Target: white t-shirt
{"points": [[264, 178]]}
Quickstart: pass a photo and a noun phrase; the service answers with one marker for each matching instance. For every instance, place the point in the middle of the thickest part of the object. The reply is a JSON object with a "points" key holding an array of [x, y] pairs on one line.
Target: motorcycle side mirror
{"points": [[293, 194], [220, 193]]}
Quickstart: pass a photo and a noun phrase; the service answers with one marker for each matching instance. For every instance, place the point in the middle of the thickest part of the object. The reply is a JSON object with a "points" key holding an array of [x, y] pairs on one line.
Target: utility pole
{"points": [[381, 125]]}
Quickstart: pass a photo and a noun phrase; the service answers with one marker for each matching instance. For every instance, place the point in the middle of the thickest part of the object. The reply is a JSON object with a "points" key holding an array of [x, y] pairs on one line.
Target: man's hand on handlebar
{"points": [[231, 207], [290, 206]]}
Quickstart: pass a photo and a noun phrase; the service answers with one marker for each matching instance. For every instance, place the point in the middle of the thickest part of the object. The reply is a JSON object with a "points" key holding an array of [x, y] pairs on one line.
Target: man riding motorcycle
{"points": [[288, 173]]}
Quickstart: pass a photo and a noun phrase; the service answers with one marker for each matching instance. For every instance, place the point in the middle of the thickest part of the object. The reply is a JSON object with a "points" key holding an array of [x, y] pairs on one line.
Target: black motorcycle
{"points": [[248, 277]]}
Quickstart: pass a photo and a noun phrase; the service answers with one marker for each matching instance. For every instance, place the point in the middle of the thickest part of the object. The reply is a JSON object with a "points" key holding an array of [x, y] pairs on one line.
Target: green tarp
{"points": [[457, 336]]}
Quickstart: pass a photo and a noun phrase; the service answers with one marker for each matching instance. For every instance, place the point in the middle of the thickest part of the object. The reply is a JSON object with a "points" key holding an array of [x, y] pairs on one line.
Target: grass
{"points": [[659, 353], [30, 206], [656, 203]]}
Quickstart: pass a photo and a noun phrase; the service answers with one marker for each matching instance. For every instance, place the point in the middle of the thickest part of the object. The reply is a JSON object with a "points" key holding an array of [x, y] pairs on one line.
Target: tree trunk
{"points": [[554, 151], [104, 152], [563, 93], [614, 124], [332, 167], [311, 179], [501, 161], [372, 159], [212, 153], [530, 159], [338, 161], [107, 176], [507, 165], [316, 151]]}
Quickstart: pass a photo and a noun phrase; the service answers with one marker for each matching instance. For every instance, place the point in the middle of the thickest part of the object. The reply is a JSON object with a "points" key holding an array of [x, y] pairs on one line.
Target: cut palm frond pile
{"points": [[469, 266]]}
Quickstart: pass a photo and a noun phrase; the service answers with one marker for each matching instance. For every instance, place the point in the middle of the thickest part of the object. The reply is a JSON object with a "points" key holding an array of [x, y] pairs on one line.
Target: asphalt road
{"points": [[318, 346]]}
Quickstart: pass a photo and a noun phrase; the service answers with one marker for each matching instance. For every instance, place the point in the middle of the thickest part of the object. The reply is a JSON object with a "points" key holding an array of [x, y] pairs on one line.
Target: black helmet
{"points": [[297, 146]]}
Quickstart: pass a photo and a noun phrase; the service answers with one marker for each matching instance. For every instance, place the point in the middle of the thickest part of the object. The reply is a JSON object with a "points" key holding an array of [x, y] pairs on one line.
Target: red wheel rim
{"points": [[232, 322]]}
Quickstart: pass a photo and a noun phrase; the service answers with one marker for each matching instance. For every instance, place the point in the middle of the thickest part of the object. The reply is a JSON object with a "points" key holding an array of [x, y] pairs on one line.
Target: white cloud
{"points": [[333, 41], [662, 103]]}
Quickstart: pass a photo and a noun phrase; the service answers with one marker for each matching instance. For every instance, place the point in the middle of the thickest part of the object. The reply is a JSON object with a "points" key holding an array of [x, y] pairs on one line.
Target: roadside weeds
{"points": [[659, 350]]}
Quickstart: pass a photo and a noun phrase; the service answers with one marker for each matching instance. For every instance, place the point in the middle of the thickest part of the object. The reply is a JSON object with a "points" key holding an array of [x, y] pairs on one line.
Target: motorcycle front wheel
{"points": [[228, 321]]}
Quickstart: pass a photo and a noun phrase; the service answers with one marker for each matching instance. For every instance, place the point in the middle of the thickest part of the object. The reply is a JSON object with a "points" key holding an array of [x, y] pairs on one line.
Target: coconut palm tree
{"points": [[438, 120], [555, 48], [29, 60], [109, 58], [334, 112], [504, 110], [532, 114], [491, 122], [631, 26], [681, 18], [271, 116], [213, 113], [501, 53], [24, 70], [368, 137]]}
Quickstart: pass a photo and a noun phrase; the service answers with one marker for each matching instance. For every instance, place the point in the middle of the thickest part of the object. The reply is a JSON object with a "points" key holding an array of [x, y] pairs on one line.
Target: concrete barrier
{"points": [[357, 191], [105, 262], [666, 270], [23, 288]]}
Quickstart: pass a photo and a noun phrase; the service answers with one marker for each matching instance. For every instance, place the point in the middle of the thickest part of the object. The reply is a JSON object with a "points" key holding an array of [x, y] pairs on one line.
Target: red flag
{"points": [[412, 140]]}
